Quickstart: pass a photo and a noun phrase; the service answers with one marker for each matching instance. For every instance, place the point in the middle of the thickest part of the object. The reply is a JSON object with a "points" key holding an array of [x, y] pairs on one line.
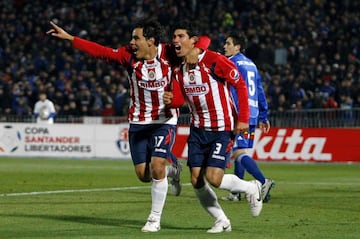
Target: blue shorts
{"points": [[245, 141], [147, 141], [208, 148]]}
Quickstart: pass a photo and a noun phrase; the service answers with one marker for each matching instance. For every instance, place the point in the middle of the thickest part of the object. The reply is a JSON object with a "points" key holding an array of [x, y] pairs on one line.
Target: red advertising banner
{"points": [[295, 145]]}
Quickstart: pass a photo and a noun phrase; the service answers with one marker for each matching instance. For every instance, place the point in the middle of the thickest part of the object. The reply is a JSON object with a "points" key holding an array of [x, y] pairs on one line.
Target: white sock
{"points": [[209, 202], [158, 194], [234, 184]]}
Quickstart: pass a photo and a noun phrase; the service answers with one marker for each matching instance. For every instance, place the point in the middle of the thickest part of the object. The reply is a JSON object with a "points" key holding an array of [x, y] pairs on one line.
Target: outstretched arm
{"points": [[121, 55], [57, 31]]}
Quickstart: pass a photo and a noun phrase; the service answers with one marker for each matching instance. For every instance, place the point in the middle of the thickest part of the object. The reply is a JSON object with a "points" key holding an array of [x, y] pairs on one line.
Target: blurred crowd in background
{"points": [[307, 51]]}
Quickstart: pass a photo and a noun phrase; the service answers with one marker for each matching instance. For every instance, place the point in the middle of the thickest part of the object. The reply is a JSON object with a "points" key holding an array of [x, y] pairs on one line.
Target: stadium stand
{"points": [[308, 53]]}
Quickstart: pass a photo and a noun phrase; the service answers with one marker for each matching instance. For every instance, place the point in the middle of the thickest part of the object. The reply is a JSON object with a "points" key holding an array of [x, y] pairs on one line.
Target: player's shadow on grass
{"points": [[83, 219], [118, 222], [81, 202]]}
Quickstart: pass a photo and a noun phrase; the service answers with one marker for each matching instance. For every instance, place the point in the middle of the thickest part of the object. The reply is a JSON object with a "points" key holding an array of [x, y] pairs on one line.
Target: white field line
{"points": [[71, 191], [144, 187], [76, 191]]}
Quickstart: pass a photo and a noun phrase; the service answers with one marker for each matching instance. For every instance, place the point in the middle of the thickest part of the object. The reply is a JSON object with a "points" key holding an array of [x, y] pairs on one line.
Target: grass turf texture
{"points": [[104, 199]]}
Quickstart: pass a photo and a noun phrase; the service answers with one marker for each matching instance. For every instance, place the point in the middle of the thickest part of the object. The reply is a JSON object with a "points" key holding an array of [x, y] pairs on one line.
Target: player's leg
{"points": [[173, 172], [149, 166], [252, 190], [174, 169], [244, 161], [160, 147], [209, 201], [252, 167], [265, 189], [206, 195], [139, 149], [158, 194], [215, 173], [138, 142], [239, 171]]}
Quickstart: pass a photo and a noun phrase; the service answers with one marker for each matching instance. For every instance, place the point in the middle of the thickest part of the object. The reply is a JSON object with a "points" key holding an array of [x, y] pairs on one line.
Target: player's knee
{"points": [[143, 172], [214, 181], [197, 182], [158, 168], [159, 173], [214, 176], [145, 179], [239, 152]]}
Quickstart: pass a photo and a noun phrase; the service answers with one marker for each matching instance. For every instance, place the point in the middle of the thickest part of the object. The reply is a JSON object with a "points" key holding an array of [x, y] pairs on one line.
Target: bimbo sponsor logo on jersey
{"points": [[293, 146], [196, 89], [153, 85]]}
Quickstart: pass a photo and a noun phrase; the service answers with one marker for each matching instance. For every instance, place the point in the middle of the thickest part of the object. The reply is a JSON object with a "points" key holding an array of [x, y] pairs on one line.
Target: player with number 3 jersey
{"points": [[206, 91]]}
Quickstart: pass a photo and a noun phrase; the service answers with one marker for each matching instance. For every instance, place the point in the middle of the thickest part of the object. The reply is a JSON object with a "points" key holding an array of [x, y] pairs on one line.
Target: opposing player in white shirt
{"points": [[44, 110]]}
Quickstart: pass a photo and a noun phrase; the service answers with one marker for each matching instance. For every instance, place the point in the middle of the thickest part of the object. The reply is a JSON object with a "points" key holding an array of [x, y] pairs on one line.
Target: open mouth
{"points": [[134, 49], [177, 49]]}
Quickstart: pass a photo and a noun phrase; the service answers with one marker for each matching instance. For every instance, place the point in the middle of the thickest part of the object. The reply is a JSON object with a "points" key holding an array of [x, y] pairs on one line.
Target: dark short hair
{"points": [[191, 27], [151, 28], [238, 39]]}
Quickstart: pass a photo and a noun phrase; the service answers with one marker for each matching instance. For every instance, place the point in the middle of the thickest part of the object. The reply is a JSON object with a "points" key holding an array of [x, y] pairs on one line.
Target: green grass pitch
{"points": [[78, 198]]}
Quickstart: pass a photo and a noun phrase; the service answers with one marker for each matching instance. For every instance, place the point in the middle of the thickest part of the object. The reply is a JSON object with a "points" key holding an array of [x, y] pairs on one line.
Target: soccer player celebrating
{"points": [[206, 91], [152, 125], [234, 45]]}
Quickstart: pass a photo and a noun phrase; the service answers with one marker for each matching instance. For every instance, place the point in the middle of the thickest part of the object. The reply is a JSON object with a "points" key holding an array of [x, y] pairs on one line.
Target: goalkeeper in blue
{"points": [[234, 48]]}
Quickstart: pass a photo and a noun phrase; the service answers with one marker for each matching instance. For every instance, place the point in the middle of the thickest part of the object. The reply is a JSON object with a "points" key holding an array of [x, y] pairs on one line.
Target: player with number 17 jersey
{"points": [[148, 80]]}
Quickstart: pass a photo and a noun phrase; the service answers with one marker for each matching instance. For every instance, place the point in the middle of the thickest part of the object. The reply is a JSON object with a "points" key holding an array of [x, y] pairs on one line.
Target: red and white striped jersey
{"points": [[206, 89], [148, 80]]}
